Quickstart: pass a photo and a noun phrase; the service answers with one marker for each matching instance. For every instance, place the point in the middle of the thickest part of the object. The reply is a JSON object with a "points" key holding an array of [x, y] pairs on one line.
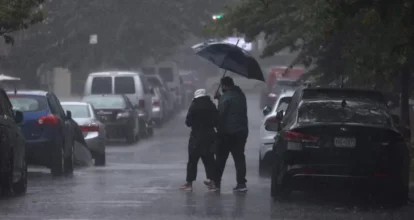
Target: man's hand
{"points": [[217, 95]]}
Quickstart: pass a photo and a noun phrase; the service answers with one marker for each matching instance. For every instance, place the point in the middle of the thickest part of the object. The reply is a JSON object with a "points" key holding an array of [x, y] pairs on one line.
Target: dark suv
{"points": [[12, 149], [339, 137]]}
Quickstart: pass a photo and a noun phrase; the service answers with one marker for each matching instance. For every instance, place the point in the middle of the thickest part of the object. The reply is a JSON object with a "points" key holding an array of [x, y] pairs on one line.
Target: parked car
{"points": [[132, 84], [344, 136], [157, 83], [13, 166], [267, 137], [169, 73], [271, 94], [92, 129], [118, 114], [47, 129]]}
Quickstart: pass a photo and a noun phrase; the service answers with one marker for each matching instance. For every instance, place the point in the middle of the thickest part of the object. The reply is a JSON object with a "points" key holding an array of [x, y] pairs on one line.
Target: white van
{"points": [[132, 84]]}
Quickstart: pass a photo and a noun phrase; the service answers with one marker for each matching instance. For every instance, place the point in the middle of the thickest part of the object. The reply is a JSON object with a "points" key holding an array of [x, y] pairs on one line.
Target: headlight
{"points": [[272, 95]]}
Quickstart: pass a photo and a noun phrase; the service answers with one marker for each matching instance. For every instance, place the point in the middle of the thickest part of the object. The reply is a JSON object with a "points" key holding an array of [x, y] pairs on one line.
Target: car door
{"points": [[65, 124], [11, 130], [147, 96], [133, 111]]}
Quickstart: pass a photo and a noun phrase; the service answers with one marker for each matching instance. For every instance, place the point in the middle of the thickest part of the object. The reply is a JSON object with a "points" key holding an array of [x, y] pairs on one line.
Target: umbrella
{"points": [[230, 57], [8, 78]]}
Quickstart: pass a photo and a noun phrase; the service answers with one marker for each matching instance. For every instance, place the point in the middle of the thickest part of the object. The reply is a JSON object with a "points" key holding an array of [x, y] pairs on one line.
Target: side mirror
{"points": [[266, 110], [18, 116], [395, 119], [68, 114], [280, 114]]}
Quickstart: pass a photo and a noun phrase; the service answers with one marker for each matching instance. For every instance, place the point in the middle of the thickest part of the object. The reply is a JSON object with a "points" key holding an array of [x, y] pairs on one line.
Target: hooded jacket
{"points": [[202, 118], [232, 108]]}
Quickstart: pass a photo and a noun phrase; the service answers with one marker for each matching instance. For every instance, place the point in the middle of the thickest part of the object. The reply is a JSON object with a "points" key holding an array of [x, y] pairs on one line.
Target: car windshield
{"points": [[106, 102], [78, 111], [283, 104], [343, 112], [28, 103]]}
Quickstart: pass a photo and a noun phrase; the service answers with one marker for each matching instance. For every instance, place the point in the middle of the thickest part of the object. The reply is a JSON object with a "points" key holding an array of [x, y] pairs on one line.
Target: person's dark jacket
{"points": [[202, 118], [232, 108]]}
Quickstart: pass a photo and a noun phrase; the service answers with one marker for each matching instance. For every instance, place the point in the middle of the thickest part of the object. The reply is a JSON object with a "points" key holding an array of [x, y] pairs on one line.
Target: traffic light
{"points": [[217, 17]]}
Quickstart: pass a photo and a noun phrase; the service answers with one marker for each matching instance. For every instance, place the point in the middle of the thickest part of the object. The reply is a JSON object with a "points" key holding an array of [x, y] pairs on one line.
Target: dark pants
{"points": [[234, 144], [208, 161]]}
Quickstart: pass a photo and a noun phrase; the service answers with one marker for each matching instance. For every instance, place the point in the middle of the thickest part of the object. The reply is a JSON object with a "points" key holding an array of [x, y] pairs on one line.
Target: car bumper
{"points": [[156, 112], [38, 152], [118, 130], [95, 142], [305, 177]]}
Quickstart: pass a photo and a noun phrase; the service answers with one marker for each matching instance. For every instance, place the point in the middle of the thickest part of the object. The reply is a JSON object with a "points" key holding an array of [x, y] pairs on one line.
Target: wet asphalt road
{"points": [[141, 182]]}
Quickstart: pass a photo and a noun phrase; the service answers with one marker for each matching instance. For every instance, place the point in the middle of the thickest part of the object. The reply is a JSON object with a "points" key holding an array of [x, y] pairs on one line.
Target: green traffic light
{"points": [[216, 17]]}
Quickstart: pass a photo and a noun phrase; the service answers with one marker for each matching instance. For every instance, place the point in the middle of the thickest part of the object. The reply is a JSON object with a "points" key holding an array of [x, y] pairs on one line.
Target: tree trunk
{"points": [[405, 95]]}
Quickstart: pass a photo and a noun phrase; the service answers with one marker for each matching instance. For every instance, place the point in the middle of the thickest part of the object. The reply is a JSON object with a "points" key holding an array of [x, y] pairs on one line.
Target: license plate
{"points": [[345, 142]]}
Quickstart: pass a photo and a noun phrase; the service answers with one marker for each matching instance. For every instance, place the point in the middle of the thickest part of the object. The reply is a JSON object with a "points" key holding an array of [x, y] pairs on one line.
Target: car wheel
{"points": [[278, 191], [6, 175], [21, 186], [100, 159], [263, 170], [69, 161], [58, 161]]}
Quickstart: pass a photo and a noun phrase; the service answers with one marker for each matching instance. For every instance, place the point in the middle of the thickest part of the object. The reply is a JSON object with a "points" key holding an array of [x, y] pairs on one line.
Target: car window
{"points": [[52, 104], [101, 85], [166, 74], [283, 104], [106, 102], [124, 85], [351, 112], [61, 112], [78, 111], [27, 103], [153, 81], [291, 108]]}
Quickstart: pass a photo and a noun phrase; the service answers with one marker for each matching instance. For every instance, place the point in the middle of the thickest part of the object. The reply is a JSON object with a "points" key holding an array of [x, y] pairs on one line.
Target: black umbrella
{"points": [[230, 57]]}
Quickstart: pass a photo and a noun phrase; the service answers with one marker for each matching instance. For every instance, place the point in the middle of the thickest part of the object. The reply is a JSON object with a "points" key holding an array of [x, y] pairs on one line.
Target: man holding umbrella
{"points": [[232, 132]]}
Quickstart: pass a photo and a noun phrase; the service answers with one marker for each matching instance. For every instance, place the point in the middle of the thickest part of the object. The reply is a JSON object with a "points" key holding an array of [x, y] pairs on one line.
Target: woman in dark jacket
{"points": [[202, 118]]}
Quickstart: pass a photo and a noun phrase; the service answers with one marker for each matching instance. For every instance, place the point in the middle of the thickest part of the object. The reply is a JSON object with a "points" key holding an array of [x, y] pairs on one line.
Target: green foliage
{"points": [[366, 41], [17, 15], [128, 31]]}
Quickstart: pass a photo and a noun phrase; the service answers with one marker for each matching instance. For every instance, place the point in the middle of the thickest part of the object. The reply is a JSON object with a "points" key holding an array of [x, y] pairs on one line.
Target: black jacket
{"points": [[202, 118], [232, 110]]}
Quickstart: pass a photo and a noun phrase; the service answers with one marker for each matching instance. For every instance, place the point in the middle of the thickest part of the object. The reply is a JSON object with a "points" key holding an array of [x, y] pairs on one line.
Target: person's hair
{"points": [[227, 81]]}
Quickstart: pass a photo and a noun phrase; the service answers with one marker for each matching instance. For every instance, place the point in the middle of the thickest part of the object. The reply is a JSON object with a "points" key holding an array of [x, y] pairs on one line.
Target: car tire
{"points": [[21, 186], [6, 174], [100, 159], [278, 192], [57, 167], [70, 161], [263, 169]]}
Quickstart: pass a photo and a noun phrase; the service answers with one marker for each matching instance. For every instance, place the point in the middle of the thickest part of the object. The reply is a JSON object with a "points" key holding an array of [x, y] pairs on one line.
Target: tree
{"points": [[368, 42], [17, 15], [128, 32]]}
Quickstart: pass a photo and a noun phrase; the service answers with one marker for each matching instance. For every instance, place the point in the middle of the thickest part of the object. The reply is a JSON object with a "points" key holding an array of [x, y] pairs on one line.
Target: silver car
{"points": [[93, 130]]}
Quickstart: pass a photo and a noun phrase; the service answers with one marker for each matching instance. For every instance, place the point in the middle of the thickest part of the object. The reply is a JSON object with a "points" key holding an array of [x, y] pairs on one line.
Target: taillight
{"points": [[141, 103], [293, 136], [89, 128], [155, 103], [48, 120]]}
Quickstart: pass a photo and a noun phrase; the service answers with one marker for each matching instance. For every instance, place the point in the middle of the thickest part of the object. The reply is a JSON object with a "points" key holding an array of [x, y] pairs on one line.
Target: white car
{"points": [[266, 136]]}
